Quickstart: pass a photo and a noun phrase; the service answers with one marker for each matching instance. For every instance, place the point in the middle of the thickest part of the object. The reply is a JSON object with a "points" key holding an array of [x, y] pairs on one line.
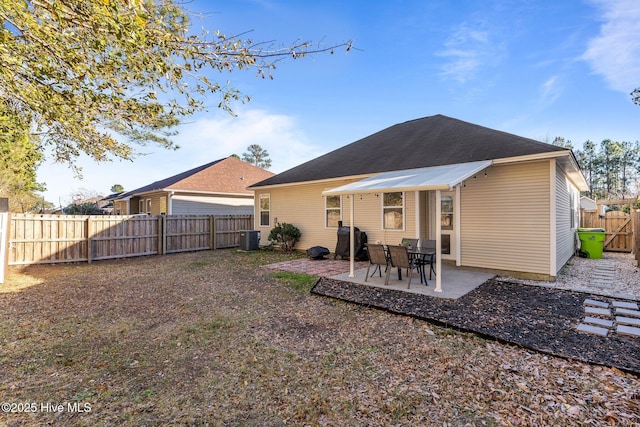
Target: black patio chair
{"points": [[399, 257], [430, 261], [377, 257], [413, 243]]}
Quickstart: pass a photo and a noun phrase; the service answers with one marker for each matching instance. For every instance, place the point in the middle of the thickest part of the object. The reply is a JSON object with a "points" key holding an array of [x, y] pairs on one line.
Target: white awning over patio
{"points": [[432, 178], [435, 178]]}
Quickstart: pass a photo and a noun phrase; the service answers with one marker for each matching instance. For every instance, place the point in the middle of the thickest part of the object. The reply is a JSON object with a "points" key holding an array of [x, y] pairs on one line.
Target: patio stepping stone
{"points": [[624, 304], [627, 312], [594, 303], [598, 321], [597, 311], [604, 274], [631, 321], [601, 285], [596, 330], [628, 330]]}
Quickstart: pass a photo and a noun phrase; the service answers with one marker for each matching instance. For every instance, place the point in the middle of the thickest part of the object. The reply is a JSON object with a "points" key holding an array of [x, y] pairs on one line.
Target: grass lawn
{"points": [[210, 338]]}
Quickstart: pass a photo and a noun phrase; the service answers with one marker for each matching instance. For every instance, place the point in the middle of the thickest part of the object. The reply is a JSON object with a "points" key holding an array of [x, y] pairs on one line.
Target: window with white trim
{"points": [[393, 211], [149, 206], [141, 206], [446, 213], [265, 210], [333, 211]]}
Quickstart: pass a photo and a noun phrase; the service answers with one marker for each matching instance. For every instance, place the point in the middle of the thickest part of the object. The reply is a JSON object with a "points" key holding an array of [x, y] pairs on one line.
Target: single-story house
{"points": [[216, 188], [490, 199]]}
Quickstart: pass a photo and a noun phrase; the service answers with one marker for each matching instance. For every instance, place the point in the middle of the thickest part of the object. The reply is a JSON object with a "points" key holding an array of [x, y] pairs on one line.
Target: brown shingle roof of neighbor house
{"points": [[229, 175], [429, 141]]}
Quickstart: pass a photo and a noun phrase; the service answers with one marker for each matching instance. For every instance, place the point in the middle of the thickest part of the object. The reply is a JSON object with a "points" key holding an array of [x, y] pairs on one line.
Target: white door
{"points": [[447, 222]]}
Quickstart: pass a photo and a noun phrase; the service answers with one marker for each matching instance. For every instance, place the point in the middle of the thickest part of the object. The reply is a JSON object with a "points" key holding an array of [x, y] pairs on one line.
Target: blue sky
{"points": [[535, 68]]}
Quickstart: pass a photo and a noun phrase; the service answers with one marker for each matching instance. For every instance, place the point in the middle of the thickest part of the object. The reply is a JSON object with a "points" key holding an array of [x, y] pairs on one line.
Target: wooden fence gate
{"points": [[617, 225]]}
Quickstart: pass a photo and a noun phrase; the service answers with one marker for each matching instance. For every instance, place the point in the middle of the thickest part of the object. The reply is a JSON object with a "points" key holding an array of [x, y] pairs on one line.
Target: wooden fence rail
{"points": [[42, 239]]}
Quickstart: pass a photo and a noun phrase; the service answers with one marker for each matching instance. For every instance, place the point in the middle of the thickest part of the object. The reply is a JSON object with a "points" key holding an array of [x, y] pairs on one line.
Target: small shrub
{"points": [[285, 235]]}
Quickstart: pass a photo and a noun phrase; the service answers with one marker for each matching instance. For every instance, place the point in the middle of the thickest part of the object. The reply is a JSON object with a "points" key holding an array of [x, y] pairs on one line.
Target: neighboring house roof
{"points": [[587, 203], [429, 141], [112, 196], [229, 176]]}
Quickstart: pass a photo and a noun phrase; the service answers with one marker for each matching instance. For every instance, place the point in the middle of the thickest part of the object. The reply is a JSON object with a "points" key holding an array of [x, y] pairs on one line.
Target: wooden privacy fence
{"points": [[618, 226], [42, 239], [636, 235]]}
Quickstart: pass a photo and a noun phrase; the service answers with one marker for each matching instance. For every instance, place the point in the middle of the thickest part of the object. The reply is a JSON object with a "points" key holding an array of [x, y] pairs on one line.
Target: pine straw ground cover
{"points": [[210, 338]]}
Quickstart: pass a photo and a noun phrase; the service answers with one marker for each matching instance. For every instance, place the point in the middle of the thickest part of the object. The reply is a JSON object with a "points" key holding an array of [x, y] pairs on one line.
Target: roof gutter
{"points": [[317, 181], [532, 157]]}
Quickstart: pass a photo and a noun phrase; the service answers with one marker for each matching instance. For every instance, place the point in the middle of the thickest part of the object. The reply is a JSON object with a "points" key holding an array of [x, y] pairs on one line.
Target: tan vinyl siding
{"points": [[505, 219], [565, 235], [304, 207], [155, 201], [120, 207]]}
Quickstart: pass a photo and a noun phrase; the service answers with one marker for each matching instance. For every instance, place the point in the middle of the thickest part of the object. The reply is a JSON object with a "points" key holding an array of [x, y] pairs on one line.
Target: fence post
{"points": [[162, 238], [212, 233], [88, 231]]}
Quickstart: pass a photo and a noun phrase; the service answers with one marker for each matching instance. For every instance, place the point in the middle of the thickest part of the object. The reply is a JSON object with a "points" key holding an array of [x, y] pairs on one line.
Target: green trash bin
{"points": [[591, 241]]}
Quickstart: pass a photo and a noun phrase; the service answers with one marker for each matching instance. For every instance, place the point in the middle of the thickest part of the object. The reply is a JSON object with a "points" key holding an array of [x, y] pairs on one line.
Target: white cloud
{"points": [[615, 52], [550, 90], [203, 141], [220, 137], [468, 49]]}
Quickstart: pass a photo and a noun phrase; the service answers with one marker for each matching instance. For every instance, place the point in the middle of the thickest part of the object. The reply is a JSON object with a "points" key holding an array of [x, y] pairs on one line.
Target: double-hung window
{"points": [[265, 210], [393, 211], [333, 211]]}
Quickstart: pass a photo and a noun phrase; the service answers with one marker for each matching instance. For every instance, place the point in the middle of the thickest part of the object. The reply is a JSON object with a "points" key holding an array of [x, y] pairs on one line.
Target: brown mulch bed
{"points": [[533, 317]]}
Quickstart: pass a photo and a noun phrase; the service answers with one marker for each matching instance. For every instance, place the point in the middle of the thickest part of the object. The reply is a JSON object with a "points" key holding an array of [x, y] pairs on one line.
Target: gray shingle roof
{"points": [[429, 141]]}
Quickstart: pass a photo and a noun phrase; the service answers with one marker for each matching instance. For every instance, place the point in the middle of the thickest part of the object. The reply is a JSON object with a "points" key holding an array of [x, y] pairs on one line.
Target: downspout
{"points": [[170, 207]]}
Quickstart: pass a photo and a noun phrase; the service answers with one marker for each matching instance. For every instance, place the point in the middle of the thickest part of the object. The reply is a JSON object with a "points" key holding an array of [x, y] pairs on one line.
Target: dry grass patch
{"points": [[210, 338]]}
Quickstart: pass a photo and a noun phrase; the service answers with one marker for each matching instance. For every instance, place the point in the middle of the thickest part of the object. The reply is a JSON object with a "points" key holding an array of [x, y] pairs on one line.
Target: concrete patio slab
{"points": [[456, 282]]}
